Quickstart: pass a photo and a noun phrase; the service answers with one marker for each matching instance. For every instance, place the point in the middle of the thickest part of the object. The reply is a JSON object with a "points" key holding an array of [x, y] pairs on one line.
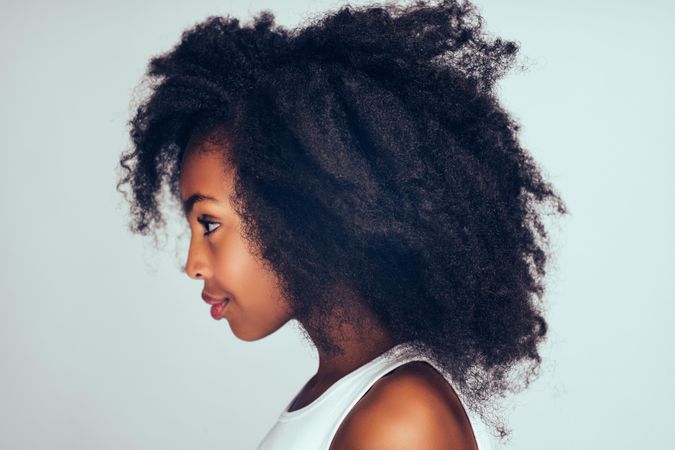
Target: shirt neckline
{"points": [[287, 415]]}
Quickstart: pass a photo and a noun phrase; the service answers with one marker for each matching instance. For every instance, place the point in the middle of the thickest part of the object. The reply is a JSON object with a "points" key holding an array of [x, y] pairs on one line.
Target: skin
{"points": [[411, 407], [221, 259], [224, 262]]}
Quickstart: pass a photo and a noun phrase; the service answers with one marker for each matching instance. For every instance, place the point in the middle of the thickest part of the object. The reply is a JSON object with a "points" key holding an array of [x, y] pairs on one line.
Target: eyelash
{"points": [[205, 224]]}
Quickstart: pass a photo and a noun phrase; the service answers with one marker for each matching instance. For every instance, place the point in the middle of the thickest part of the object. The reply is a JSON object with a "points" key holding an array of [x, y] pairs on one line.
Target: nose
{"points": [[196, 266]]}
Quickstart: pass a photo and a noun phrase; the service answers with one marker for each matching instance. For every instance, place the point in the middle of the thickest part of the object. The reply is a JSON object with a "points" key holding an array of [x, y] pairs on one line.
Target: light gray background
{"points": [[104, 344]]}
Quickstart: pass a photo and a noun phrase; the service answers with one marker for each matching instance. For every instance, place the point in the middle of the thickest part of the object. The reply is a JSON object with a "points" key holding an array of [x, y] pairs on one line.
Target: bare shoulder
{"points": [[412, 407]]}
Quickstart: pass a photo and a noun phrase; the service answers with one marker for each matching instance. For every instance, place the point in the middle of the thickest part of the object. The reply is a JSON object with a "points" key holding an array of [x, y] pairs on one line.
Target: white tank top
{"points": [[313, 426]]}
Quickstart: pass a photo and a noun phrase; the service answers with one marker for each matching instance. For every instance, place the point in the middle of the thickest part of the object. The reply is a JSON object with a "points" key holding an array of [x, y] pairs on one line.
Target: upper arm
{"points": [[402, 413]]}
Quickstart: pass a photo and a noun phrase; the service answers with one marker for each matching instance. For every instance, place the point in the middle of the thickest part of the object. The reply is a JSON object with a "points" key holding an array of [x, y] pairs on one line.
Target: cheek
{"points": [[262, 286], [246, 277], [235, 273], [265, 296]]}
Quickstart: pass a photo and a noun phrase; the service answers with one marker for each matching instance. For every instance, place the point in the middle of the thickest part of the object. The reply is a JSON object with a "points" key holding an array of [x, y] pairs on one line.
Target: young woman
{"points": [[359, 176]]}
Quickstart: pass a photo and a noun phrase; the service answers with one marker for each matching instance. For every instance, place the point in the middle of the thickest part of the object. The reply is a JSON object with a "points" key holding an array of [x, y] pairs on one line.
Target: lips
{"points": [[218, 310], [218, 304], [211, 300]]}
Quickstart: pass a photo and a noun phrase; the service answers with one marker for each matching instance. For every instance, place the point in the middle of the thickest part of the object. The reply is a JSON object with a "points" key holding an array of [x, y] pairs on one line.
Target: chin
{"points": [[248, 338], [250, 335]]}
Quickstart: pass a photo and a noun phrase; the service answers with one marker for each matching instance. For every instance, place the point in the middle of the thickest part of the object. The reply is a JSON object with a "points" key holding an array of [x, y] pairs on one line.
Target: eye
{"points": [[205, 223]]}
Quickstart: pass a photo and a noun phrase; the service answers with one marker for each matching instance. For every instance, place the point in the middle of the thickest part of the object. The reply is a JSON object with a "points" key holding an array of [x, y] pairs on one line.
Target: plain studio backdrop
{"points": [[105, 344]]}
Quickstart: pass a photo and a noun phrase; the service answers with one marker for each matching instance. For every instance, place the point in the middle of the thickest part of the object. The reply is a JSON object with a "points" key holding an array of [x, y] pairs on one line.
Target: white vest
{"points": [[313, 426]]}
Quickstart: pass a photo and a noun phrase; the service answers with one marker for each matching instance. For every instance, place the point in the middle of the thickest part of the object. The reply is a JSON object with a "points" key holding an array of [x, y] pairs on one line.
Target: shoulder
{"points": [[413, 407]]}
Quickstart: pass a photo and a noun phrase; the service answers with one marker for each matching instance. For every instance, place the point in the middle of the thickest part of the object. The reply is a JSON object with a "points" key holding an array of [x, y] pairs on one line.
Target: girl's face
{"points": [[221, 258]]}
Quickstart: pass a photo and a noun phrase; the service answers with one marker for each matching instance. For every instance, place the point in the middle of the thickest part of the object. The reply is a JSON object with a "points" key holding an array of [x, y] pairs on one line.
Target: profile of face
{"points": [[218, 254]]}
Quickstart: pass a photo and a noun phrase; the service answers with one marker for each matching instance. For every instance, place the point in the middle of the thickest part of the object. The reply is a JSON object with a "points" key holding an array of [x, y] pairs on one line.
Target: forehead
{"points": [[203, 169]]}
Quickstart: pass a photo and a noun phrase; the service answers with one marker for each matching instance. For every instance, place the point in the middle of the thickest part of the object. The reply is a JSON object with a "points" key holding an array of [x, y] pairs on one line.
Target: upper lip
{"points": [[213, 300]]}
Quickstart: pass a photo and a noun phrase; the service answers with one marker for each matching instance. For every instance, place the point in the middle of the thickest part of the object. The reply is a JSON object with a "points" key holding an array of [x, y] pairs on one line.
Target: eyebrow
{"points": [[189, 204]]}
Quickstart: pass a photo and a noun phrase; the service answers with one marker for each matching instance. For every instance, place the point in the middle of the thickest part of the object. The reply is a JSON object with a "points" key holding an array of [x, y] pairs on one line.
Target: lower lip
{"points": [[218, 310]]}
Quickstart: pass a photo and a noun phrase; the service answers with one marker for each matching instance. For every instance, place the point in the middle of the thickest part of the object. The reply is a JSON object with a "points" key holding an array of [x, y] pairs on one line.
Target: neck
{"points": [[356, 352], [359, 339]]}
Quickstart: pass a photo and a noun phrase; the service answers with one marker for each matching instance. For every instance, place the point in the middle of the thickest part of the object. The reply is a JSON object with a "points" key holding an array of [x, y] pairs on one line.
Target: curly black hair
{"points": [[371, 152]]}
